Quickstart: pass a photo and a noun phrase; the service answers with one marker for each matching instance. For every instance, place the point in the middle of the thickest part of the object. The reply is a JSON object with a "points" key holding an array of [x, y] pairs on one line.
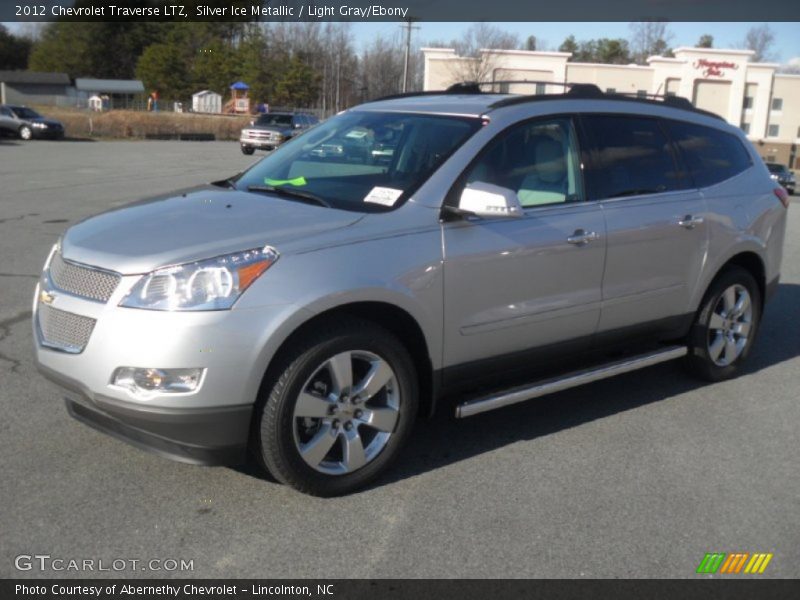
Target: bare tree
{"points": [[480, 66], [760, 40], [792, 67], [382, 67], [649, 38]]}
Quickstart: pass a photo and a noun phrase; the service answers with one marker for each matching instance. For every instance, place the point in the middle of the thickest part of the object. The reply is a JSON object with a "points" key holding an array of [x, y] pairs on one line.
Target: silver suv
{"points": [[310, 308]]}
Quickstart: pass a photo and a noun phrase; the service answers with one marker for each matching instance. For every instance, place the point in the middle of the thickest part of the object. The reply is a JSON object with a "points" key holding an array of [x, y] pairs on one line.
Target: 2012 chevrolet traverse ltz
{"points": [[308, 309]]}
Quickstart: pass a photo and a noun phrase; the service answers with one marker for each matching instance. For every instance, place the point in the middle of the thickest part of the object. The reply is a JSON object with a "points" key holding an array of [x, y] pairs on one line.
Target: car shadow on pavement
{"points": [[444, 440]]}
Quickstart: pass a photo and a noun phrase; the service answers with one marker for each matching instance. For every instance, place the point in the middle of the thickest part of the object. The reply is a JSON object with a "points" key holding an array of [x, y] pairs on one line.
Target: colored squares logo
{"points": [[734, 563]]}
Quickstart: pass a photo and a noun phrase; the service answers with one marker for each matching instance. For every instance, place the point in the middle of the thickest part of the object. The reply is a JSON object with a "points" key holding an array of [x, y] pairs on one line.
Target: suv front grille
{"points": [[257, 134], [82, 281], [64, 330]]}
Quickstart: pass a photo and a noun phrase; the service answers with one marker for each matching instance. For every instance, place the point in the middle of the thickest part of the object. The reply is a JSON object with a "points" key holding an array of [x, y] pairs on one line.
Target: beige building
{"points": [[753, 96]]}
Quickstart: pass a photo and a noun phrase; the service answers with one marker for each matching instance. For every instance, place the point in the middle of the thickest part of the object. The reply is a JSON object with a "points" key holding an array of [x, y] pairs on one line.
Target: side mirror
{"points": [[489, 201]]}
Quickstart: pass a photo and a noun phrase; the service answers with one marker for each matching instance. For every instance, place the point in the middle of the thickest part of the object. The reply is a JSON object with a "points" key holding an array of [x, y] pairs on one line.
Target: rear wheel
{"points": [[726, 326], [339, 410], [25, 133]]}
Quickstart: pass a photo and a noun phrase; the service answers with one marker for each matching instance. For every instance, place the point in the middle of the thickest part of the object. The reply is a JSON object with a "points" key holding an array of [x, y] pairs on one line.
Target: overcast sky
{"points": [[726, 35]]}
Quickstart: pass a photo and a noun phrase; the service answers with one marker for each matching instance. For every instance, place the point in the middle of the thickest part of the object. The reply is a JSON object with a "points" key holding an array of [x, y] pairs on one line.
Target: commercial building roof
{"points": [[34, 77], [109, 86]]}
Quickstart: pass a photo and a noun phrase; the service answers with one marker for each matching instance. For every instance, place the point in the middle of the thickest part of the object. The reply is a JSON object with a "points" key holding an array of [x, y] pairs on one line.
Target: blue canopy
{"points": [[240, 85]]}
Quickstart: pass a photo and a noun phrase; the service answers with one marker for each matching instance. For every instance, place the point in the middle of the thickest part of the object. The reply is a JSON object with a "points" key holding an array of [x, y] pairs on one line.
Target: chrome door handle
{"points": [[581, 237], [689, 222]]}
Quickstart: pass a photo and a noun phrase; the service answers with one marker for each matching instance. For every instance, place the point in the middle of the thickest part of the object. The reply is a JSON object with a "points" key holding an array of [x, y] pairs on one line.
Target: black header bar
{"points": [[398, 10]]}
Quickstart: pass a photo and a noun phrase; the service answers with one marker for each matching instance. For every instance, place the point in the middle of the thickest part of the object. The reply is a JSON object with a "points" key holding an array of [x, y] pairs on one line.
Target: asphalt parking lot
{"points": [[637, 476]]}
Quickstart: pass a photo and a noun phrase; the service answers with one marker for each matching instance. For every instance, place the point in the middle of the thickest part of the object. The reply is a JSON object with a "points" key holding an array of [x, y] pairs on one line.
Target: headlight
{"points": [[213, 284], [40, 125]]}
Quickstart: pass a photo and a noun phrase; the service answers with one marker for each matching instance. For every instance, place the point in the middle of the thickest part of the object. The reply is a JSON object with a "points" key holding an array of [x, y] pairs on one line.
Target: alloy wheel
{"points": [[730, 325], [346, 412]]}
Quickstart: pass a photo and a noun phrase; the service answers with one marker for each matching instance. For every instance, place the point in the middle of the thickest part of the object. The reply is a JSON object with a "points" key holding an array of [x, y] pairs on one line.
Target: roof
{"points": [[34, 77], [110, 86], [205, 93], [468, 105]]}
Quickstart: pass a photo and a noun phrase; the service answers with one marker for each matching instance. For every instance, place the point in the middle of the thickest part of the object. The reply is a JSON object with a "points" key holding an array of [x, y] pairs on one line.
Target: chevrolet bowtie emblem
{"points": [[46, 297]]}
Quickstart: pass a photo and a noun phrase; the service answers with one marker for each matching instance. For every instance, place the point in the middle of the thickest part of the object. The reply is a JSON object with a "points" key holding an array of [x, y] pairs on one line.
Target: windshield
{"points": [[274, 120], [362, 161], [25, 113], [773, 168]]}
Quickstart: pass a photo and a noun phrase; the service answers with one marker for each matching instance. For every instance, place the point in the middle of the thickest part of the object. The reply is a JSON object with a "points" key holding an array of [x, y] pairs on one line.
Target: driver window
{"points": [[537, 160]]}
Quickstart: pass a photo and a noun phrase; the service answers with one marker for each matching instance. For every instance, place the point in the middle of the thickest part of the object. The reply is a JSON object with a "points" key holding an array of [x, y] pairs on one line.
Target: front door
{"points": [[513, 285]]}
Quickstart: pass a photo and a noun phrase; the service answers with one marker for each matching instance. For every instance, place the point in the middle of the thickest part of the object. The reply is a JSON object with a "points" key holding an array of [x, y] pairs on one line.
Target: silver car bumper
{"points": [[209, 425]]}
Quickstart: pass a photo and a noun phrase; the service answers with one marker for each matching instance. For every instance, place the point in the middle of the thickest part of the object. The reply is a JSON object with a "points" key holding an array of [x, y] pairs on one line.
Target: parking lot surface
{"points": [[636, 476]]}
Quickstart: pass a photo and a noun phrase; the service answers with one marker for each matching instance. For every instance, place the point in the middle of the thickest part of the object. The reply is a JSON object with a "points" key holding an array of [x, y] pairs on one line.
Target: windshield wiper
{"points": [[226, 183], [290, 193]]}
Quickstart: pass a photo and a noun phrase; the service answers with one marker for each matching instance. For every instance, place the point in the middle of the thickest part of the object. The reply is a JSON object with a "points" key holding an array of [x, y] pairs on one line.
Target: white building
{"points": [[765, 104], [207, 101]]}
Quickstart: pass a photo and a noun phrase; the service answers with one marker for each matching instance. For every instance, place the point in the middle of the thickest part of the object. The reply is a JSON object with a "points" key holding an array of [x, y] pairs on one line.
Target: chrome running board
{"points": [[570, 380]]}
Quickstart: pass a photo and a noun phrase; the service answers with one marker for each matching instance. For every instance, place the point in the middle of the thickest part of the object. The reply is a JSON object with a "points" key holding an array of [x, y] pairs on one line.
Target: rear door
{"points": [[657, 235], [517, 285]]}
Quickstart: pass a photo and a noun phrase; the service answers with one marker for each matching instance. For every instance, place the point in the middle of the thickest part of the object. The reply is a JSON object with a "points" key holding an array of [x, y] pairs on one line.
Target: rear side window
{"points": [[630, 156], [711, 156]]}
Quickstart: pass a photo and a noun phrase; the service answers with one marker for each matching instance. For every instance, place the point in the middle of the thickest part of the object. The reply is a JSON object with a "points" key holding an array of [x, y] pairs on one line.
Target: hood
{"points": [[278, 128], [197, 224]]}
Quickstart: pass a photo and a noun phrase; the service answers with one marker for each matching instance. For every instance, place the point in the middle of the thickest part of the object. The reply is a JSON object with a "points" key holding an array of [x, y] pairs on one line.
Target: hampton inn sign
{"points": [[753, 96], [714, 68]]}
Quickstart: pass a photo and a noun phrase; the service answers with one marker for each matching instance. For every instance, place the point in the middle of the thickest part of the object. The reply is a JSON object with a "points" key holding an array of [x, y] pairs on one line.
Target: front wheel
{"points": [[25, 133], [248, 150], [726, 325], [341, 406]]}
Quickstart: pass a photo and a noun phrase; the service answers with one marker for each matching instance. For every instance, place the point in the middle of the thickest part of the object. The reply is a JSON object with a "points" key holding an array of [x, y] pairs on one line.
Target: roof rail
{"points": [[573, 91], [591, 91], [466, 87]]}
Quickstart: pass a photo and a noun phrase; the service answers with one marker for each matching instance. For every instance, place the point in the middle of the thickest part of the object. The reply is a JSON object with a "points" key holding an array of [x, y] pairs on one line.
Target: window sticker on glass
{"points": [[294, 181], [383, 195]]}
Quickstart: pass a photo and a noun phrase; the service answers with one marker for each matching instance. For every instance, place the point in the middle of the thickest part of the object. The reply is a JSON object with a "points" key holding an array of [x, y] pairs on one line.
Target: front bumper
{"points": [[210, 425], [51, 133], [261, 142], [209, 436]]}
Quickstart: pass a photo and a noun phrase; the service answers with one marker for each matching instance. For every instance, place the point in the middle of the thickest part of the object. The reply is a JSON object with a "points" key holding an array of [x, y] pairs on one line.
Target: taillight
{"points": [[782, 195]]}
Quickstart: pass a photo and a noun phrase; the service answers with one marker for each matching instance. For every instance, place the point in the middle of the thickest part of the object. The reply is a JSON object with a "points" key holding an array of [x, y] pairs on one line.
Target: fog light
{"points": [[164, 381]]}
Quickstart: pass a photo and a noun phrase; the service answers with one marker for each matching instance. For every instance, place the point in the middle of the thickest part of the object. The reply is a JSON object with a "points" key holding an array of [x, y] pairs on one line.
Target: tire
{"points": [[248, 150], [25, 133], [315, 436], [721, 339]]}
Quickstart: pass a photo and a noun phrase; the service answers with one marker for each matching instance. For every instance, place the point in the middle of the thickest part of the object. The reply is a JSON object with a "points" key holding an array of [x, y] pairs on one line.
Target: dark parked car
{"points": [[272, 129], [27, 124], [782, 175]]}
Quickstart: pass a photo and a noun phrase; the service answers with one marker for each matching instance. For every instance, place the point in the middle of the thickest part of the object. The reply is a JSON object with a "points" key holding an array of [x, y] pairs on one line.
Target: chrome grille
{"points": [[82, 281], [263, 135], [64, 330]]}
